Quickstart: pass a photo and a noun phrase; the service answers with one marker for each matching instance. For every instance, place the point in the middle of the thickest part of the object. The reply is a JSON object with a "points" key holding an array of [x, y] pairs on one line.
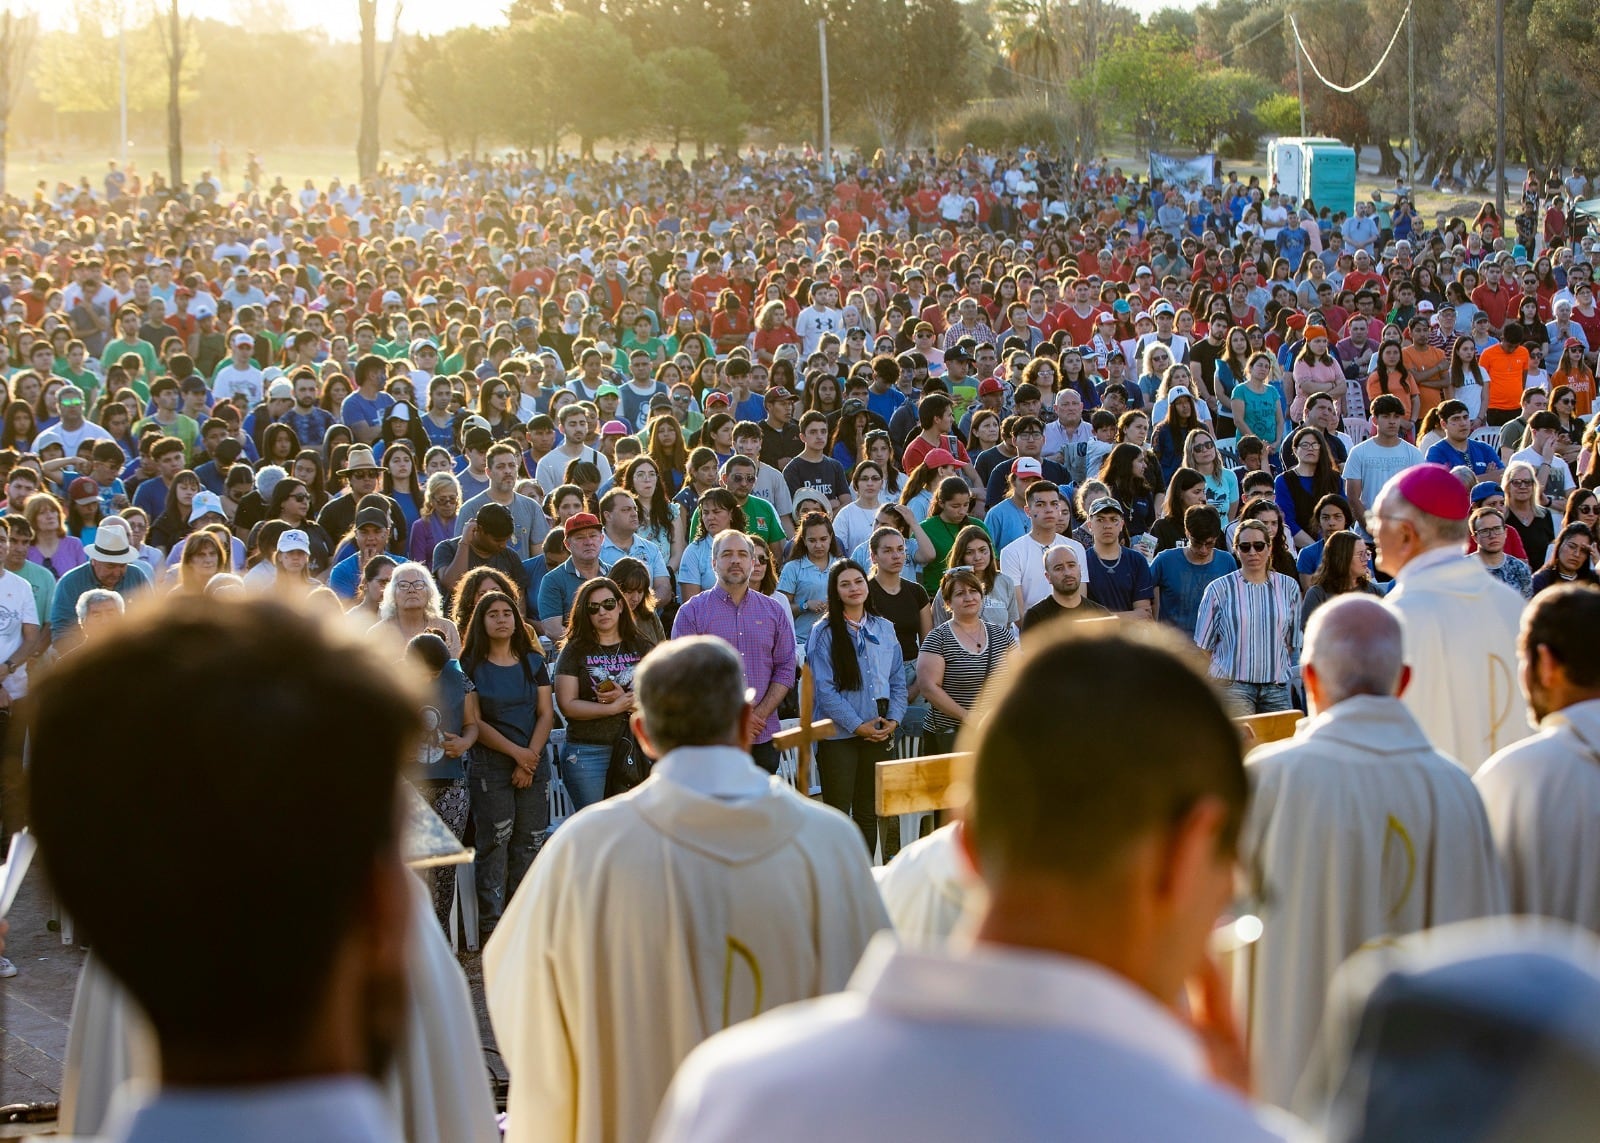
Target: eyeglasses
{"points": [[409, 585], [595, 606], [1252, 545], [1201, 446], [1492, 530], [1521, 482], [948, 572]]}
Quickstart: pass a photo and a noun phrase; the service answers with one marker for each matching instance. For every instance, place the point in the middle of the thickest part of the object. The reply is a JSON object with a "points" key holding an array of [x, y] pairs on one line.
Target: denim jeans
{"points": [[849, 781], [510, 825], [583, 769], [1255, 698]]}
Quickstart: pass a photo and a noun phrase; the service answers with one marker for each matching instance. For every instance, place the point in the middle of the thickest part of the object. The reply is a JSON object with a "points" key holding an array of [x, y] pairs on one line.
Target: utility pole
{"points": [[827, 113], [1299, 77], [1500, 110], [1412, 154]]}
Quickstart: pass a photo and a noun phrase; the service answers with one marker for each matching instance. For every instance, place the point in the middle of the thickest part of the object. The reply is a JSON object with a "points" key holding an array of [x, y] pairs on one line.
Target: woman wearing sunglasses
{"points": [[594, 684], [1249, 621]]}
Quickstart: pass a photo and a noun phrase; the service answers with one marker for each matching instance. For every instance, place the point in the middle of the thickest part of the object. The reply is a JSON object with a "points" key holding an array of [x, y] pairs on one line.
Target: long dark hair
{"points": [[580, 628], [1336, 575], [657, 511], [1117, 474], [842, 648], [722, 498], [461, 603], [475, 640], [1551, 562]]}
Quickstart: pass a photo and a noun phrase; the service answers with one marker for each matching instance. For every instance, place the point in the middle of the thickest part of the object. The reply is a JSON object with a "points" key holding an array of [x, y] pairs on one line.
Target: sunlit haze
{"points": [[421, 17]]}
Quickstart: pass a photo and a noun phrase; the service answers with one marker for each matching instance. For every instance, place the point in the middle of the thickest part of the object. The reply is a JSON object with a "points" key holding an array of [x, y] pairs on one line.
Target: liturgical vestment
{"points": [[1461, 644], [1543, 798], [710, 893], [1358, 831]]}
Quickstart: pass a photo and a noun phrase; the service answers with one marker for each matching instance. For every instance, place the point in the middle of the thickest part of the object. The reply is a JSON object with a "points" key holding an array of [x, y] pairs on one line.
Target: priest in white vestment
{"points": [[1358, 832], [437, 1085], [1460, 622], [709, 894], [1056, 1014], [927, 887], [1543, 794]]}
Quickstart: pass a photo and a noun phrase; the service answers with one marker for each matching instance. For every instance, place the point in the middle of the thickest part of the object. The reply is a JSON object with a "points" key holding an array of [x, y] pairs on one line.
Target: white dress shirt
{"points": [[991, 1043]]}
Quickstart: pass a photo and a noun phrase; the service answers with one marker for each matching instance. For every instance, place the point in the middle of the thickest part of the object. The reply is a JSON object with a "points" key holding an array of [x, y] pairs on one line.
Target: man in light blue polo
{"points": [[619, 517]]}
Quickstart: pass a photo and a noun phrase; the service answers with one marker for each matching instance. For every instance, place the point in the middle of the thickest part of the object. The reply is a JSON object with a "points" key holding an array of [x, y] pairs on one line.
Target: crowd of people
{"points": [[560, 437]]}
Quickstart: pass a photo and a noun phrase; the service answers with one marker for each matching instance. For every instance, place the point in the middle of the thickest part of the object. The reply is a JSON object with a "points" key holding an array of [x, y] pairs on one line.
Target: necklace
{"points": [[1113, 565], [980, 639]]}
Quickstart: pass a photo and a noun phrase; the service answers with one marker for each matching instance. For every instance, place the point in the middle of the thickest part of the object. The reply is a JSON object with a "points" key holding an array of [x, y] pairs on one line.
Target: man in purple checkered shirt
{"points": [[760, 629]]}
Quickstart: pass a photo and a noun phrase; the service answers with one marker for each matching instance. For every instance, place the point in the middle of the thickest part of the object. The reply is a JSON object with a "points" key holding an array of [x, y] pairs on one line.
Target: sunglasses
{"points": [[595, 606], [1252, 545]]}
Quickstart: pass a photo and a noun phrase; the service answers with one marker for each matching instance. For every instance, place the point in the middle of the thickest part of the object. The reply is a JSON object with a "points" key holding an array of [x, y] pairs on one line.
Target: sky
{"points": [[419, 17]]}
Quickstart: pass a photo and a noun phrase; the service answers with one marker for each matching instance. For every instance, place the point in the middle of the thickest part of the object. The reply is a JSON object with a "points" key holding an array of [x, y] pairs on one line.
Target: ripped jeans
{"points": [[510, 825]]}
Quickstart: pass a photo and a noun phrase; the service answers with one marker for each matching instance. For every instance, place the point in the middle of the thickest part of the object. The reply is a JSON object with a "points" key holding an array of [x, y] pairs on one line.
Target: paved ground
{"points": [[36, 1004]]}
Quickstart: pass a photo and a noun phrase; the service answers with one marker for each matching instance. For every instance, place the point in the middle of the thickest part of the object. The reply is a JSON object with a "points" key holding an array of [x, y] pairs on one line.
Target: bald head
{"points": [[1354, 646]]}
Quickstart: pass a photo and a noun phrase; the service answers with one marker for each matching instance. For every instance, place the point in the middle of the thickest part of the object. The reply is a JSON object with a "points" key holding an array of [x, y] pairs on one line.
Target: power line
{"points": [[1371, 75], [1268, 30]]}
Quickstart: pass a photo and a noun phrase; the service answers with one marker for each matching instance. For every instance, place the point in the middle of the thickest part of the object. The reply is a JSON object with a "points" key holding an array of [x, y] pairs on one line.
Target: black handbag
{"points": [[628, 767]]}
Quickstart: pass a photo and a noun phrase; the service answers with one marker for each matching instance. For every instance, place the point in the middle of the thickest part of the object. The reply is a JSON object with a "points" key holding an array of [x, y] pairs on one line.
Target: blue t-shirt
{"points": [[360, 410], [1479, 457], [884, 404], [508, 699], [1183, 583], [1118, 586]]}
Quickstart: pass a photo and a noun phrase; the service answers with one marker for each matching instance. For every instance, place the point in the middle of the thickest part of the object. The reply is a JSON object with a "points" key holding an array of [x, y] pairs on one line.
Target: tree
{"points": [[904, 97], [690, 96], [1279, 114], [373, 77], [569, 74], [79, 67], [1142, 82], [1217, 102], [450, 84], [176, 35], [18, 34]]}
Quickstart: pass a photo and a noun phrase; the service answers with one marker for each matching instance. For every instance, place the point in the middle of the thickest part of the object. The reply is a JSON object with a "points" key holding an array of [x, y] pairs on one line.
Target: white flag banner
{"points": [[1175, 172]]}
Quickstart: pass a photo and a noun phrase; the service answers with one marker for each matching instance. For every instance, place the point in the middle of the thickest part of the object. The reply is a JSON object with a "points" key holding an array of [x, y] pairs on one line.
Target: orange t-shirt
{"points": [[1507, 370], [1404, 388], [1416, 361], [1582, 384]]}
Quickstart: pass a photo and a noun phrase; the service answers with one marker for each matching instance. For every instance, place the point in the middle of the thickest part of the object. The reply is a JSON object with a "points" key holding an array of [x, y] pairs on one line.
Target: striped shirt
{"points": [[964, 672], [1251, 629]]}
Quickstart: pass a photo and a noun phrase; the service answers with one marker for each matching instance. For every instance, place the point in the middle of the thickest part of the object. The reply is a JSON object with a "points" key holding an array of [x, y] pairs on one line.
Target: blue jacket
{"points": [[881, 677]]}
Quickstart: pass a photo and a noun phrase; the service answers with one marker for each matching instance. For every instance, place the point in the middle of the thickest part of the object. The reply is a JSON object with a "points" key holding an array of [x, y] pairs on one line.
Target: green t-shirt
{"points": [[82, 378], [147, 353], [760, 518], [43, 586], [184, 428], [943, 537]]}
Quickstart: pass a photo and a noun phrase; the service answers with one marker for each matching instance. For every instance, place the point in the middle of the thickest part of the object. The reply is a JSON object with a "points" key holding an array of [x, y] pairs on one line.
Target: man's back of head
{"points": [[143, 843], [1353, 646], [1083, 820], [691, 692]]}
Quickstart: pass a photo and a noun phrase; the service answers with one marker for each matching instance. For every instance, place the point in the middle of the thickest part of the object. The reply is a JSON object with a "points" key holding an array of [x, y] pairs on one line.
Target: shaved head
{"points": [[1356, 646]]}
